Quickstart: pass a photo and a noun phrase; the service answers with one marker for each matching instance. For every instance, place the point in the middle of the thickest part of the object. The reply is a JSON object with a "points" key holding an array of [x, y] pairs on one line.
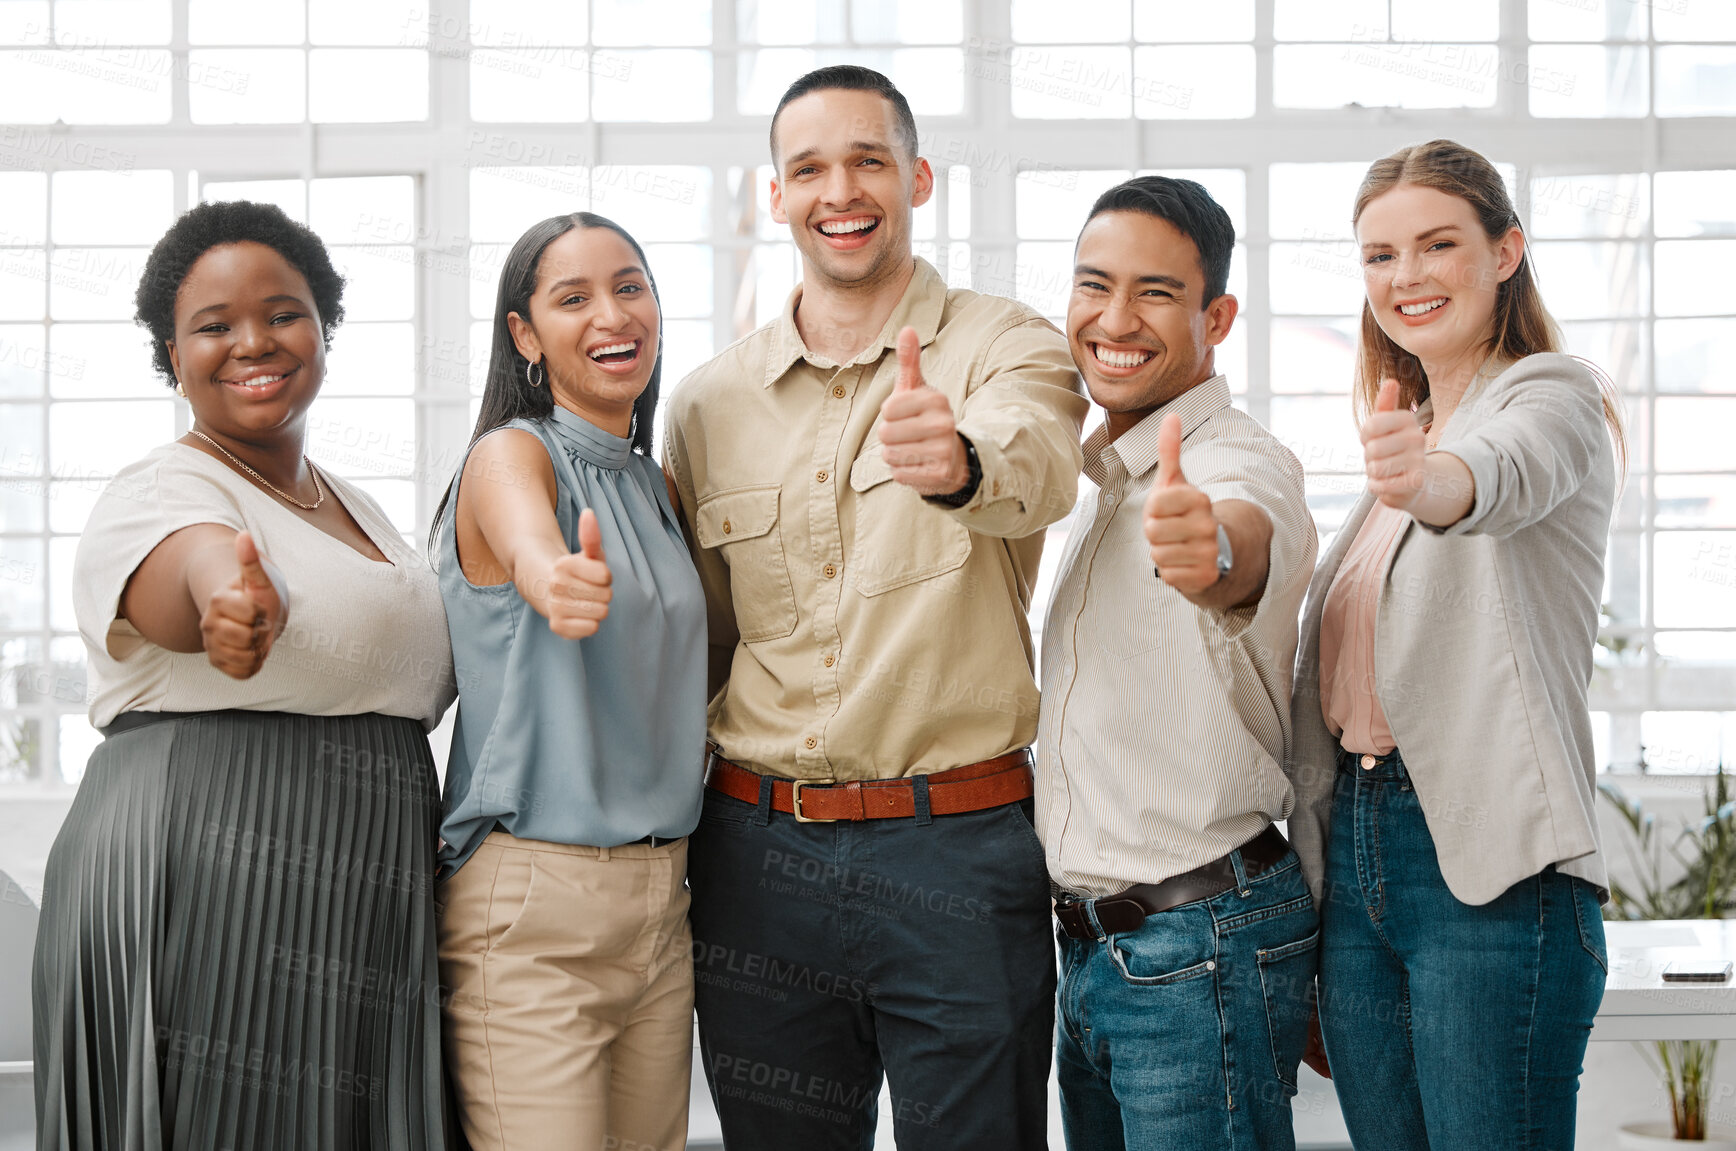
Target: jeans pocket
{"points": [[1287, 982], [1145, 961], [1589, 916]]}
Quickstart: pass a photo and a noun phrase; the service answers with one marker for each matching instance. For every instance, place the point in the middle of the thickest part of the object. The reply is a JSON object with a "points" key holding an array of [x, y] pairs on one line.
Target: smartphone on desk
{"points": [[1707, 969]]}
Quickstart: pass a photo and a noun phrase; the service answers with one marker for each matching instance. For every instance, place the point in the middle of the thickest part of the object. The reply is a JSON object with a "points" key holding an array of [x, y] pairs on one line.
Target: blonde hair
{"points": [[1522, 325]]}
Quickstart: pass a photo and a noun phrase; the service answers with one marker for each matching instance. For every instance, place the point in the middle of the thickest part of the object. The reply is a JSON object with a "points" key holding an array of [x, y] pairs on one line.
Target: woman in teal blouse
{"points": [[578, 636]]}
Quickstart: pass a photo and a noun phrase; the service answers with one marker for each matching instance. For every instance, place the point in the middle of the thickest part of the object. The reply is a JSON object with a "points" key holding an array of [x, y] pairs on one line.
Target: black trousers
{"points": [[829, 954]]}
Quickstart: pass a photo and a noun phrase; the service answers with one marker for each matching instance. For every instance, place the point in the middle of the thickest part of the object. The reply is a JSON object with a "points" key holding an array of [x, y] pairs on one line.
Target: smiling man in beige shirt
{"points": [[865, 482], [1188, 933]]}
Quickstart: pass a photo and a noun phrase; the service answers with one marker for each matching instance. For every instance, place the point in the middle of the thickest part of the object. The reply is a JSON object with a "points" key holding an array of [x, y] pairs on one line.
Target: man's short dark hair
{"points": [[853, 78], [1193, 213]]}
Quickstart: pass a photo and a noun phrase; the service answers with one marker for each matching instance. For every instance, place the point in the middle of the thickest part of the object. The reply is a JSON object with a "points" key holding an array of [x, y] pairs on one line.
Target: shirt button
{"points": [[726, 528], [810, 743], [837, 391], [828, 661], [828, 571], [1368, 762], [821, 476]]}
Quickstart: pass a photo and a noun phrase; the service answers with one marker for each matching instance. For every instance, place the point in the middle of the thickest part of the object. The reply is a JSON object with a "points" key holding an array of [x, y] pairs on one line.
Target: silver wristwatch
{"points": [[1226, 558]]}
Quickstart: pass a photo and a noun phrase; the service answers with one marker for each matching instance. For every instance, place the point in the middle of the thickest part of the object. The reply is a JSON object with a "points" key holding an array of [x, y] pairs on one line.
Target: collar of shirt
{"points": [[920, 307], [1136, 448], [589, 441]]}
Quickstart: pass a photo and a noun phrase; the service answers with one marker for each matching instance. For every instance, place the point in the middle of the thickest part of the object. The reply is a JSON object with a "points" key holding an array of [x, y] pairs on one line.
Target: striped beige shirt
{"points": [[1164, 725]]}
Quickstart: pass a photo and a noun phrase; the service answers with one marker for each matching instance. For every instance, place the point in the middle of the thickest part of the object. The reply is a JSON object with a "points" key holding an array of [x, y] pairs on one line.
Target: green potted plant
{"points": [[1704, 852]]}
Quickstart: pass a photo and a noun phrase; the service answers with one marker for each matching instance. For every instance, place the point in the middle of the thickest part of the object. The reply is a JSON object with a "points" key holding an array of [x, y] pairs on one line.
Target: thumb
{"points": [[909, 361], [590, 536], [1387, 400], [1169, 452], [253, 577]]}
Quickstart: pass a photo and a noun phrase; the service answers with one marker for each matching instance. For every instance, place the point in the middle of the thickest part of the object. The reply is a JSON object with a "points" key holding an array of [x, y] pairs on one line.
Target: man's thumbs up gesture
{"points": [[918, 434], [241, 621], [579, 590], [1179, 524], [1393, 446]]}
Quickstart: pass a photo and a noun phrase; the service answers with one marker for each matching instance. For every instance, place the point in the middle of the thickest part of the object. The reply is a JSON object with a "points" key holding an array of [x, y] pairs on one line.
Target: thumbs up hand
{"points": [[1393, 447], [242, 619], [578, 588], [1179, 524], [918, 435]]}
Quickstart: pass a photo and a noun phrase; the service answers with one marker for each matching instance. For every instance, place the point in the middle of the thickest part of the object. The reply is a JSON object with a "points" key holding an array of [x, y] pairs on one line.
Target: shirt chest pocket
{"points": [[899, 539], [742, 523]]}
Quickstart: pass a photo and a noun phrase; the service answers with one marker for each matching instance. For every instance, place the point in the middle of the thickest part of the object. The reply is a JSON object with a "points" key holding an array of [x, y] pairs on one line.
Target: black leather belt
{"points": [[1126, 911], [656, 840]]}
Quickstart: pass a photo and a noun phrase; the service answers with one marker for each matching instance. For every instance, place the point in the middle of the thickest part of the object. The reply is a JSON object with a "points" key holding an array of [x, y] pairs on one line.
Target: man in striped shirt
{"points": [[1166, 667]]}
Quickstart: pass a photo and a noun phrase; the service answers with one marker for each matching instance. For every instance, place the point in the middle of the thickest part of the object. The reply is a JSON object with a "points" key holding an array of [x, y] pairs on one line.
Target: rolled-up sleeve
{"points": [[1023, 415]]}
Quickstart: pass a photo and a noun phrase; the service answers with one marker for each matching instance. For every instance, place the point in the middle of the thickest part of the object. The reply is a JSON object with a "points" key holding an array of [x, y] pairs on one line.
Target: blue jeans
{"points": [[1447, 1025], [1185, 1034]]}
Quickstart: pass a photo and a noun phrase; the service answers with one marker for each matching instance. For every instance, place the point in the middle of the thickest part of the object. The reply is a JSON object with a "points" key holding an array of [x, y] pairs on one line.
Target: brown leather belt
{"points": [[991, 783], [1127, 910]]}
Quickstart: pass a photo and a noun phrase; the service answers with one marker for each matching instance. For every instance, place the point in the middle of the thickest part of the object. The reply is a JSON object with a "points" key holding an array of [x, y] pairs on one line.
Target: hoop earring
{"points": [[532, 380]]}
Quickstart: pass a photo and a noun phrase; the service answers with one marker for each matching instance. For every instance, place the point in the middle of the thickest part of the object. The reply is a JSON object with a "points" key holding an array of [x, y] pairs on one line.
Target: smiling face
{"points": [[1431, 273], [593, 325], [846, 187], [248, 346], [1134, 320]]}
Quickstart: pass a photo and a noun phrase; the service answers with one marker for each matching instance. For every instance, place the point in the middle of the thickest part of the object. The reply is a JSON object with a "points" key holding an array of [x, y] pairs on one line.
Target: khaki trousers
{"points": [[569, 995]]}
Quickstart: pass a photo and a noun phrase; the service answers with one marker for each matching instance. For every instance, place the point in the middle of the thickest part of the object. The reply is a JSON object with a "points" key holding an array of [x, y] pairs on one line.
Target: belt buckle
{"points": [[796, 786]]}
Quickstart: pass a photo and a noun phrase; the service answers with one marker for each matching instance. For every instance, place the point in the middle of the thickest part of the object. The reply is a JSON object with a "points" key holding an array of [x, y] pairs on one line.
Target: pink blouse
{"points": [[1349, 700]]}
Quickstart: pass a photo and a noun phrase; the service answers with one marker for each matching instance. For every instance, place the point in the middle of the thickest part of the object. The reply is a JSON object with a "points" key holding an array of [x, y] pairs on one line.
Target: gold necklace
{"points": [[274, 488]]}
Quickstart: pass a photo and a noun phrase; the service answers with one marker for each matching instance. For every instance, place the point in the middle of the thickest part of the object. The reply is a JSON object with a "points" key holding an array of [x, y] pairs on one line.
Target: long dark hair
{"points": [[507, 393]]}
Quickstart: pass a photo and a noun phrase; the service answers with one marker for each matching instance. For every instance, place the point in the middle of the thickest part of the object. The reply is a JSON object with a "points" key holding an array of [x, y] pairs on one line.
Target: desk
{"points": [[1638, 1004]]}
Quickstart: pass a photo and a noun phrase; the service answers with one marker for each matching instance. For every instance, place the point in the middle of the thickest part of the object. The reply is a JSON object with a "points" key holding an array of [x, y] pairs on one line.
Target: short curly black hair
{"points": [[209, 226]]}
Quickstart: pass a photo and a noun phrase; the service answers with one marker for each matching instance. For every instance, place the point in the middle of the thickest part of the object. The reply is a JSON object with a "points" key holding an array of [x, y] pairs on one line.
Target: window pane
{"points": [[86, 86], [1696, 203], [103, 361], [94, 283], [1695, 355], [537, 85], [1696, 81], [112, 207], [1044, 276], [660, 202], [666, 23], [1322, 278], [246, 85], [396, 88], [24, 360], [290, 195], [22, 580], [908, 21], [362, 437], [1617, 347], [21, 506], [1694, 433], [1694, 279], [506, 201], [21, 440], [524, 23], [1432, 20], [1570, 80], [347, 22], [226, 22], [1051, 205], [1684, 742], [25, 195], [1178, 21], [371, 359], [23, 280], [1046, 22], [1070, 83], [1322, 433], [790, 22], [1193, 83], [1329, 19], [1697, 502], [370, 209], [380, 281], [1587, 20], [1592, 280], [1314, 201], [111, 21], [1377, 74], [1696, 579], [72, 500], [683, 274], [1676, 20], [24, 22], [664, 85], [1314, 356], [1570, 207], [932, 79]]}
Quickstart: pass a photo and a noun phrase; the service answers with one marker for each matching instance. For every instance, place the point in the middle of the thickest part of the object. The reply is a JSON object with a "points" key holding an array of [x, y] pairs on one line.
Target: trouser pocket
{"points": [[1287, 983]]}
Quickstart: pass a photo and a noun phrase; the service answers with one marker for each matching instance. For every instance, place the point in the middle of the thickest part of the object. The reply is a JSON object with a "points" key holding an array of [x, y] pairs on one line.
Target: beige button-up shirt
{"points": [[858, 631], [1164, 725]]}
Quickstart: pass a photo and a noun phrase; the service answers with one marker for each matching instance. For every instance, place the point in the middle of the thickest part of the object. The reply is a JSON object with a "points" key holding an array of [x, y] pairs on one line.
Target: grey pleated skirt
{"points": [[237, 940]]}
